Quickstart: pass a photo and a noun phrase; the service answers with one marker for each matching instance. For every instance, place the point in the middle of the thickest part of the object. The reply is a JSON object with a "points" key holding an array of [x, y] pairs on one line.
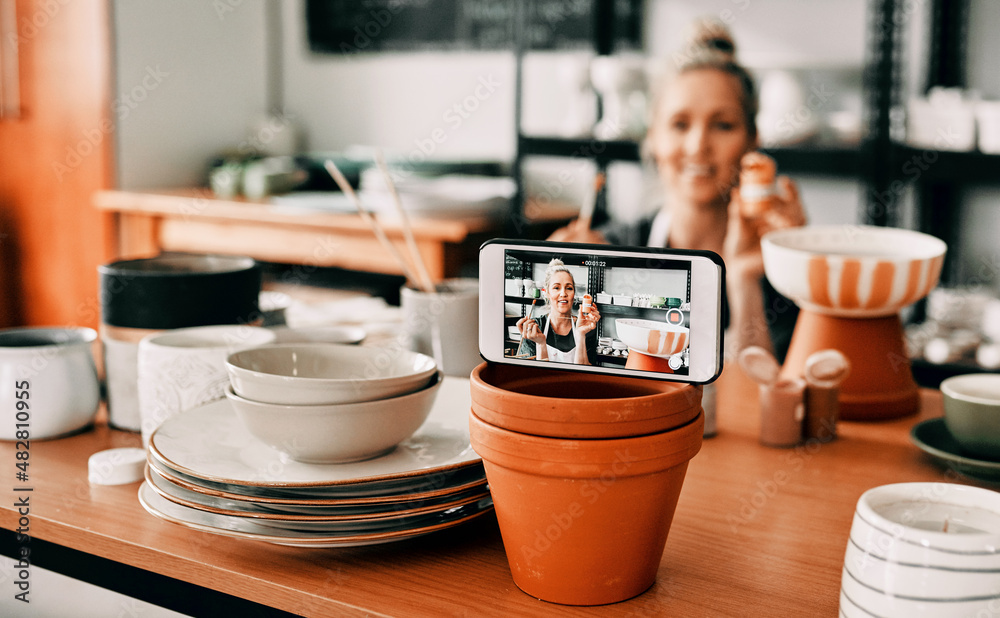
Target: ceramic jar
{"points": [[146, 296], [48, 381], [584, 520]]}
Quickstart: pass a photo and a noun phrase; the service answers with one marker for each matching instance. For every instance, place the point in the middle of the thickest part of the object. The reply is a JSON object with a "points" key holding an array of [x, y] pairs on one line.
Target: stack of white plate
{"points": [[207, 472]]}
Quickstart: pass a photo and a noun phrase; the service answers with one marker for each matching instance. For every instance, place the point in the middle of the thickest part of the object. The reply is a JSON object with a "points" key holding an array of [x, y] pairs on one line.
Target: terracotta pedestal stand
{"points": [[880, 385], [645, 362]]}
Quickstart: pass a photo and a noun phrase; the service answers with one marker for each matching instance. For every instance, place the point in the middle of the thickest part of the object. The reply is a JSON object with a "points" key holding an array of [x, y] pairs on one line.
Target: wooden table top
{"points": [[758, 531]]}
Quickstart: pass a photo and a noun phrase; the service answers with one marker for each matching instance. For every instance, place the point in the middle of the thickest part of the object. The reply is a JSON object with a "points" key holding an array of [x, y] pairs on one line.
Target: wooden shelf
{"points": [[948, 166], [827, 160]]}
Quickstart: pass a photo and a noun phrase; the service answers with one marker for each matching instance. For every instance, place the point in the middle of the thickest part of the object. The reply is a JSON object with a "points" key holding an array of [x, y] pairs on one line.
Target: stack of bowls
{"points": [[331, 403], [585, 472]]}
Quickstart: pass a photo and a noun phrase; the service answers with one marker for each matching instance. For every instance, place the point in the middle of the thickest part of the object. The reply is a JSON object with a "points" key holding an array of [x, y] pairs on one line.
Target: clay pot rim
{"points": [[609, 428], [496, 399], [549, 456], [677, 388]]}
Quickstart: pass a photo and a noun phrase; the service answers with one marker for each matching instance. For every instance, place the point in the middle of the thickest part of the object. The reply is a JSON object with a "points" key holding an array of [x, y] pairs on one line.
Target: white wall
{"points": [[190, 79], [443, 105]]}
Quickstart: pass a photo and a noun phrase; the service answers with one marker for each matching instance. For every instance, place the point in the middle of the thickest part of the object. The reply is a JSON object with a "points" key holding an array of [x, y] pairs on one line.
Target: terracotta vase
{"points": [[563, 404], [585, 522]]}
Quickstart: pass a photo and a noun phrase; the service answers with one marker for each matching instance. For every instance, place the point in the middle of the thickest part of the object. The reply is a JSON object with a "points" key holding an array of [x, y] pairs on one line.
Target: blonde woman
{"points": [[703, 121], [559, 336]]}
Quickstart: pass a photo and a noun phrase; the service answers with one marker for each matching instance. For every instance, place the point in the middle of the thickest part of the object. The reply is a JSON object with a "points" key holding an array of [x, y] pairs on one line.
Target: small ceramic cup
{"points": [[444, 325], [972, 412], [184, 368], [48, 382]]}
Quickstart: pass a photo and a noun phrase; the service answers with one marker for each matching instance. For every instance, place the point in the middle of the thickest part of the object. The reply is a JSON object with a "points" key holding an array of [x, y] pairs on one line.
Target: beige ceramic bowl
{"points": [[852, 270], [326, 373], [972, 412], [336, 433], [651, 337]]}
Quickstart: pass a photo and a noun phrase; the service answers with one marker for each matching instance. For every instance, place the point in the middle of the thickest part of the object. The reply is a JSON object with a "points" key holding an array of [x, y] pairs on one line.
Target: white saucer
{"points": [[211, 444]]}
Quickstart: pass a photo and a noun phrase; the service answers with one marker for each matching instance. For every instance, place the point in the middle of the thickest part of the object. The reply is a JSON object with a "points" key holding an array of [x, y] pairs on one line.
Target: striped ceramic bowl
{"points": [[651, 337], [852, 270]]}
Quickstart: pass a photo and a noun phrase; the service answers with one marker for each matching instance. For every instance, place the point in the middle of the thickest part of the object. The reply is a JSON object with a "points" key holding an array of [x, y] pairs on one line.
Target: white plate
{"points": [[431, 485], [210, 443], [236, 527], [319, 513]]}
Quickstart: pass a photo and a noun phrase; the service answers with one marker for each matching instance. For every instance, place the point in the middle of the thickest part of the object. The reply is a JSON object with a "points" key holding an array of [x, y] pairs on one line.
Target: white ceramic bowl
{"points": [[326, 373], [852, 270], [651, 337], [49, 384], [900, 561], [336, 433]]}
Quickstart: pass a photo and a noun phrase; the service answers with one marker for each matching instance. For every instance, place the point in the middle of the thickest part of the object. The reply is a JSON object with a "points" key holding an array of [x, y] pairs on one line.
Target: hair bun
{"points": [[711, 34], [555, 265]]}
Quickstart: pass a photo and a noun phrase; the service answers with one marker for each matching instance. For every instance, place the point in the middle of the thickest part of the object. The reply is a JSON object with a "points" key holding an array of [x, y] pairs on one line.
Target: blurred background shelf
{"points": [[827, 160]]}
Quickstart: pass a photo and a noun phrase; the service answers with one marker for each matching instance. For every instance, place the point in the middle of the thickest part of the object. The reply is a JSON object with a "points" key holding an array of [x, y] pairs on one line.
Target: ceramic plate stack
{"points": [[207, 472]]}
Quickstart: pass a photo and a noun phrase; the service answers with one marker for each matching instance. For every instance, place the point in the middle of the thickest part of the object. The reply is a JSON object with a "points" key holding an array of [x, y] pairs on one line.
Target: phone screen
{"points": [[615, 311]]}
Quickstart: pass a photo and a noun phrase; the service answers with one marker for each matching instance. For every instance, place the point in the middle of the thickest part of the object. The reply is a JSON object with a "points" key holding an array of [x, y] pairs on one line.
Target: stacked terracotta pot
{"points": [[585, 472]]}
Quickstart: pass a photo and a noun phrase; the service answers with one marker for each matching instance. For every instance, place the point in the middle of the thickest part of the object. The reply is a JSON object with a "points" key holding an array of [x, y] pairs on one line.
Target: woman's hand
{"points": [[745, 264], [577, 231], [741, 250], [530, 331], [586, 322]]}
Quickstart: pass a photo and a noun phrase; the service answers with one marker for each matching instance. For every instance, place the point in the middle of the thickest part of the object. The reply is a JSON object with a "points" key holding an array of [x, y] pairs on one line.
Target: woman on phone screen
{"points": [[559, 336]]}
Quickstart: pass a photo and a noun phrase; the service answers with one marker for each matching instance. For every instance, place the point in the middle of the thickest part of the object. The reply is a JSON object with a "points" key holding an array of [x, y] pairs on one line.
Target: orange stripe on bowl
{"points": [[912, 284], [849, 277], [653, 341], [882, 277], [671, 343], [819, 281], [933, 274]]}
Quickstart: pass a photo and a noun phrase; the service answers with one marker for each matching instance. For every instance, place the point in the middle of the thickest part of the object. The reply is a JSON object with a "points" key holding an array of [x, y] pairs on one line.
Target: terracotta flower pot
{"points": [[585, 522], [561, 404]]}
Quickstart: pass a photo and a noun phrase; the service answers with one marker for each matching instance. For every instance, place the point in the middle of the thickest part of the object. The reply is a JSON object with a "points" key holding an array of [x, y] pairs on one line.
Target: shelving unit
{"points": [[872, 161], [877, 162], [885, 169]]}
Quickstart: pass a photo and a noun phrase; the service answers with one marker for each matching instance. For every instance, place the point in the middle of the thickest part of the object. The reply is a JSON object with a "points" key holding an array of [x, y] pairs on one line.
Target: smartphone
{"points": [[628, 311]]}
